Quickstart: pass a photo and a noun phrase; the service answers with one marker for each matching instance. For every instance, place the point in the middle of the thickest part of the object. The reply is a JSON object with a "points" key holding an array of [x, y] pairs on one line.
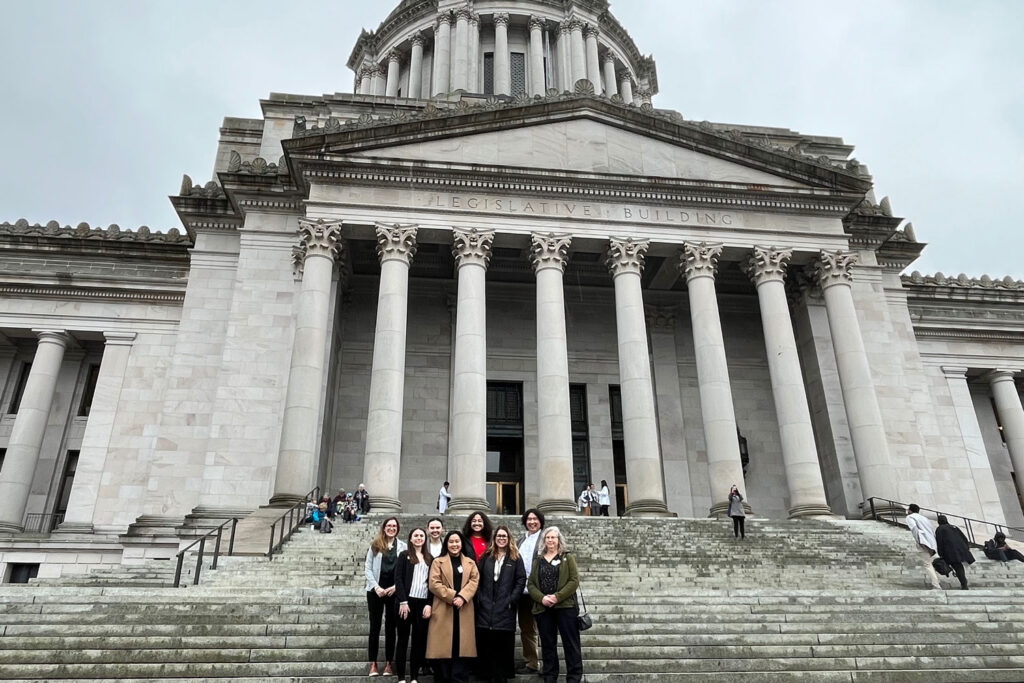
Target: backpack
{"points": [[991, 552], [941, 566]]}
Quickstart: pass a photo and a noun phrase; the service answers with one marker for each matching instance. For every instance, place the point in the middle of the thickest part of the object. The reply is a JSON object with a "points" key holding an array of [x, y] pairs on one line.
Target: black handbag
{"points": [[583, 619]]}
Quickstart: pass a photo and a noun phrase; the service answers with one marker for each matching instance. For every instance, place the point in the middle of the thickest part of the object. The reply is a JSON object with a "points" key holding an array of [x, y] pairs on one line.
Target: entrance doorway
{"points": [[505, 447]]}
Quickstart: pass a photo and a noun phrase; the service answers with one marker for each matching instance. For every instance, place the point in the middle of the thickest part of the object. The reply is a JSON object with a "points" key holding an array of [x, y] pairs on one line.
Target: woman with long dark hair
{"points": [[502, 579], [477, 531], [413, 599], [381, 561], [451, 636]]}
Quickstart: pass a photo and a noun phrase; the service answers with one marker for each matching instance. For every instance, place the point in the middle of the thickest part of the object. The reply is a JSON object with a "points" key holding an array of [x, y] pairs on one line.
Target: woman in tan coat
{"points": [[451, 637]]}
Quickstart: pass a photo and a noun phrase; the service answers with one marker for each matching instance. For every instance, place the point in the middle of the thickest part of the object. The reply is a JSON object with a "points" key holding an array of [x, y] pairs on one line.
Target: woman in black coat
{"points": [[502, 580], [953, 548]]}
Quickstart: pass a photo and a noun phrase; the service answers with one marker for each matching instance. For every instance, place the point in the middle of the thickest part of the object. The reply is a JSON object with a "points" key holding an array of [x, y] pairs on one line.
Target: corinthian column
{"points": [[472, 251], [867, 431], [365, 82], [610, 83], [379, 81], [626, 87], [474, 53], [537, 86], [29, 428], [577, 52], [699, 263], [321, 245], [565, 56], [394, 63], [396, 247], [549, 254], [590, 34], [1011, 415], [461, 58], [767, 270], [442, 54], [502, 74], [416, 67], [639, 422]]}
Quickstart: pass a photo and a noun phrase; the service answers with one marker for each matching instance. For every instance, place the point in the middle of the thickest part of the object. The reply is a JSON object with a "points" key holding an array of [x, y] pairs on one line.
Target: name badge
{"points": [[556, 563], [459, 569]]}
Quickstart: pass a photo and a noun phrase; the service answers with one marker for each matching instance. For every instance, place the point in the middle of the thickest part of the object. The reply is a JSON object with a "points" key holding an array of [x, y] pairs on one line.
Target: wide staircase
{"points": [[815, 600]]}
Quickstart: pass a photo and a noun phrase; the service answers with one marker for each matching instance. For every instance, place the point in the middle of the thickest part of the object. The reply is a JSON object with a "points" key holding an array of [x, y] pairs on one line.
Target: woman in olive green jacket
{"points": [[554, 579]]}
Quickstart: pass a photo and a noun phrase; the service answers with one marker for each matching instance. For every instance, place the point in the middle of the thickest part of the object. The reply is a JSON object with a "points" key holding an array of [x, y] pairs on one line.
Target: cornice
{"points": [[962, 335], [147, 296]]}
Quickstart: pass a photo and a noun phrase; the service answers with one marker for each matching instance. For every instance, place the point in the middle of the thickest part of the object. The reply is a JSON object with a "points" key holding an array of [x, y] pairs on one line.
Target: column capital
{"points": [[699, 260], [537, 24], [472, 247], [463, 14], [591, 31], [320, 238], [565, 26], [396, 242], [661, 318], [624, 75], [60, 337], [575, 24], [767, 264], [834, 268], [474, 18], [443, 18], [119, 338], [955, 371], [1000, 375], [417, 39], [549, 250], [394, 56], [501, 18], [626, 255], [609, 58]]}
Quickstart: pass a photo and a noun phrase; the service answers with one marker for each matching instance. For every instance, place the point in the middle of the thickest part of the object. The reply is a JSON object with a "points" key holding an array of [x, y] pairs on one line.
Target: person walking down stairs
{"points": [[924, 542], [737, 512], [953, 547]]}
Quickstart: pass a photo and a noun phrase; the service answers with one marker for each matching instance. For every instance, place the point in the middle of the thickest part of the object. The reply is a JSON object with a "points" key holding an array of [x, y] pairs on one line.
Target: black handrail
{"points": [[889, 515], [202, 551], [295, 515]]}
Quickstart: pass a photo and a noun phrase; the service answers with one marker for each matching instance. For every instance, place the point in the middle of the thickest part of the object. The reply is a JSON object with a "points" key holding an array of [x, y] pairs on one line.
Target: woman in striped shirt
{"points": [[413, 599]]}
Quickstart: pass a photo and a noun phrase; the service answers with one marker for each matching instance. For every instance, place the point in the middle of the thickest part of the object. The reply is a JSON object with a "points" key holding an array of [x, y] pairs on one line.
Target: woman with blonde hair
{"points": [[502, 579], [379, 569], [554, 579]]}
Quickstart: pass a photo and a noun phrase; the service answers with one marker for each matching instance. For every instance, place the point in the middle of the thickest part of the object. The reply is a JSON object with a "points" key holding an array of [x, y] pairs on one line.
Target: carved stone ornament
{"points": [[396, 242], [584, 87], [591, 30], [626, 255], [417, 39], [767, 264], [472, 247], [443, 18], [501, 19], [565, 27], [320, 238], [699, 260], [549, 250], [395, 56], [536, 23], [835, 268], [661, 318]]}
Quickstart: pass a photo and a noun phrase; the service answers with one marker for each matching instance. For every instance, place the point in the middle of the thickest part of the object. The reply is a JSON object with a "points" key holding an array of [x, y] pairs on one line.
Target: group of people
{"points": [[349, 506], [457, 596], [593, 503]]}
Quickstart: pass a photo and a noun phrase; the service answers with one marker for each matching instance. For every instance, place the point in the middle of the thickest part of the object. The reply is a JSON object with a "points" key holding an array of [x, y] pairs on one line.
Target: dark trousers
{"points": [[455, 670], [604, 510], [382, 608], [958, 567], [1008, 554], [417, 625], [497, 654], [737, 527], [552, 624]]}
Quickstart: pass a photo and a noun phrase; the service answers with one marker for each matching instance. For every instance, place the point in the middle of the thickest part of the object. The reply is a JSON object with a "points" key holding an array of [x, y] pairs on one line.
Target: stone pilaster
{"points": [[639, 422], [396, 247], [472, 252], [549, 255], [767, 270]]}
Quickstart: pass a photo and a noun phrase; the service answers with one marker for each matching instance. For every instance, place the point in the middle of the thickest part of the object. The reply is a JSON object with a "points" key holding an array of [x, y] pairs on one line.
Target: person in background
{"points": [[502, 580], [379, 569], [604, 498], [362, 499], [413, 599], [533, 520], [737, 512], [553, 583], [435, 536], [443, 498], [451, 636], [583, 502], [953, 547], [322, 519], [998, 550], [338, 502], [477, 531], [924, 542]]}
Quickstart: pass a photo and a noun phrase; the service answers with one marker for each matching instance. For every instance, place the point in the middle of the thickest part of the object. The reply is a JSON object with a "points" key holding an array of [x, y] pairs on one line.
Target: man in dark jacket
{"points": [[953, 548]]}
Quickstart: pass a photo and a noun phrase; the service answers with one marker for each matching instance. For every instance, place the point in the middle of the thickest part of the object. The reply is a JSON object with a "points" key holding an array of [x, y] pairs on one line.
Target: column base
{"points": [[468, 506], [8, 528], [810, 510], [74, 528], [648, 508], [559, 508], [721, 509], [384, 504], [285, 500]]}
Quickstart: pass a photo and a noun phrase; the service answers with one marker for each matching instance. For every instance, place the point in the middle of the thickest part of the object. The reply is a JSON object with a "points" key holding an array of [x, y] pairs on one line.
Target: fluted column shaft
{"points": [[96, 439], [610, 82], [394, 63], [867, 431], [460, 80], [565, 56], [1011, 415], [474, 54], [549, 253], [639, 420], [767, 269], [626, 88], [699, 263], [593, 62], [396, 247], [472, 251], [29, 428], [365, 82], [416, 67], [578, 52], [297, 458], [502, 73], [442, 54], [537, 86]]}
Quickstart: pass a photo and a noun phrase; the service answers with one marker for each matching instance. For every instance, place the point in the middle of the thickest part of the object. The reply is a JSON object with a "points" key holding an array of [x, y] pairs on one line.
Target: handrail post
{"points": [[231, 541], [874, 514], [199, 560], [177, 570], [216, 547], [270, 551]]}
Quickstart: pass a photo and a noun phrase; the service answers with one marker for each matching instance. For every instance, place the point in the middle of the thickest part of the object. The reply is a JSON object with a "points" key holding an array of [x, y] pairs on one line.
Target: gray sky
{"points": [[104, 104]]}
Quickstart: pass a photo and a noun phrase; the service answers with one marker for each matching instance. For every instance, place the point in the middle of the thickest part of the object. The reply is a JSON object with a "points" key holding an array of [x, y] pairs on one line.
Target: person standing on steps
{"points": [[737, 512], [477, 531], [584, 502], [924, 542], [443, 498], [451, 636], [413, 599], [552, 584], [953, 547], [502, 580], [362, 499], [435, 537], [379, 568], [533, 520], [604, 498]]}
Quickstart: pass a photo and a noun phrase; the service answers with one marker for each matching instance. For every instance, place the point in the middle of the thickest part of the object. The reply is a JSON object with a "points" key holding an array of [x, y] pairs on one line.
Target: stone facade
{"points": [[496, 263]]}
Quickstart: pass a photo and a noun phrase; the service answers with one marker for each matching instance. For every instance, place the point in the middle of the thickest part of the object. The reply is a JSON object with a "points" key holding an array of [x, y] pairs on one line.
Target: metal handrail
{"points": [[889, 515], [219, 531], [295, 515]]}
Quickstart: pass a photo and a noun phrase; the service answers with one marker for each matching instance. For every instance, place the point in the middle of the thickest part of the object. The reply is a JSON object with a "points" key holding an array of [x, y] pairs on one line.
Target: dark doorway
{"points": [[505, 447]]}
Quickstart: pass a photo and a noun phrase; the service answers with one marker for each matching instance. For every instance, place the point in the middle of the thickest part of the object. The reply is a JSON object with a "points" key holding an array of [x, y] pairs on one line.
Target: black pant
{"points": [[604, 510], [496, 652], [455, 670], [418, 626], [737, 527], [958, 567], [1007, 555], [382, 607], [552, 623]]}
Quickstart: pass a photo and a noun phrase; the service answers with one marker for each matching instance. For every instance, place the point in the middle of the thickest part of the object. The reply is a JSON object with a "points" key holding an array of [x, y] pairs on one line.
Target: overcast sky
{"points": [[104, 104]]}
